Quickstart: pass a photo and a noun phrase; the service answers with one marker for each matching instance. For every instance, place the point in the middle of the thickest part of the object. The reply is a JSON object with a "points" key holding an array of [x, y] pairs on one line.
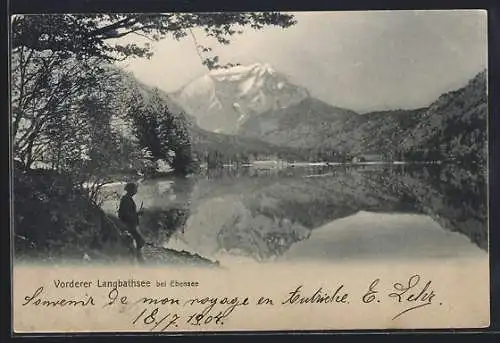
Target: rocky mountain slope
{"points": [[223, 99], [307, 124]]}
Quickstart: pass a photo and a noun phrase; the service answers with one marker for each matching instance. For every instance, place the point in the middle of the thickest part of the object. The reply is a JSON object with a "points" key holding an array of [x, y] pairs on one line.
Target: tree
{"points": [[97, 35], [62, 110], [182, 162], [147, 123], [214, 160], [46, 95], [164, 135]]}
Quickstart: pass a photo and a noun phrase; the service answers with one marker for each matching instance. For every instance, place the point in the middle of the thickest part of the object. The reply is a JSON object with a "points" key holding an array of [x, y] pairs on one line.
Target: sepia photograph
{"points": [[266, 143]]}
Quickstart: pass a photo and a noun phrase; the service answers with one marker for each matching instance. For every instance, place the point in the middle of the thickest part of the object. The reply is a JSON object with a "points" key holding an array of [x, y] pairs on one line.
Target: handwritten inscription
{"points": [[318, 297], [412, 293], [166, 311], [38, 299]]}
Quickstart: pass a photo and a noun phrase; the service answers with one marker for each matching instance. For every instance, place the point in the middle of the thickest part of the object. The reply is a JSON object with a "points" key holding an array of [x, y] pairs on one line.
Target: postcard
{"points": [[237, 171]]}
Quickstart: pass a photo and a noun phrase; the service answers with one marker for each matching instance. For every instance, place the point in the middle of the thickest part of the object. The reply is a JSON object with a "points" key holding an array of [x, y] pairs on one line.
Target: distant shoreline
{"points": [[270, 165]]}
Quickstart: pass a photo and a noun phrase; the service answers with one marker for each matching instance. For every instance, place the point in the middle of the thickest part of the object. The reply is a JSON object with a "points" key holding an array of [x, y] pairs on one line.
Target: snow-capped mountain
{"points": [[222, 100]]}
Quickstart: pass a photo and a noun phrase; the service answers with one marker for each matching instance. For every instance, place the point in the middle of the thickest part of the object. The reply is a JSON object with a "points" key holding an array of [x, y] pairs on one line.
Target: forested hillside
{"points": [[454, 126]]}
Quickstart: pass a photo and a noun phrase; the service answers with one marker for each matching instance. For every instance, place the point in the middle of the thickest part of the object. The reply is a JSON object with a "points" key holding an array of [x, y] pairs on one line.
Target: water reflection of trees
{"points": [[169, 211], [454, 196], [306, 199]]}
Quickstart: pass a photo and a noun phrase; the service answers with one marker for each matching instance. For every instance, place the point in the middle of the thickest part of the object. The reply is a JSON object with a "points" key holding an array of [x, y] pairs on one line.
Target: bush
{"points": [[54, 221]]}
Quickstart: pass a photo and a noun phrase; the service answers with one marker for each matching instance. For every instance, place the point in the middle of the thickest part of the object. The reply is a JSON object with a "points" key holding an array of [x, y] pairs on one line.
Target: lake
{"points": [[318, 213]]}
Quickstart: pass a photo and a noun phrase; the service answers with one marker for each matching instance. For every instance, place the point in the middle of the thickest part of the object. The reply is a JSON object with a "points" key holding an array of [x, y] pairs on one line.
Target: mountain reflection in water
{"points": [[320, 213]]}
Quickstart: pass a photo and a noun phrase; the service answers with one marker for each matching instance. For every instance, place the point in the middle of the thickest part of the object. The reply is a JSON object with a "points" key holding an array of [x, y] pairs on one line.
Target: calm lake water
{"points": [[318, 213]]}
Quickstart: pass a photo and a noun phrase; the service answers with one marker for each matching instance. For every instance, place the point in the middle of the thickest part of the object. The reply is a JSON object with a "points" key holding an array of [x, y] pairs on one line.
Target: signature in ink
{"points": [[414, 293]]}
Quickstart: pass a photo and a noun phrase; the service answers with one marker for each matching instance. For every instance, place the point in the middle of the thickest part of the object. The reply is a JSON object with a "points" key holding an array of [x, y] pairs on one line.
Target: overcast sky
{"points": [[359, 60]]}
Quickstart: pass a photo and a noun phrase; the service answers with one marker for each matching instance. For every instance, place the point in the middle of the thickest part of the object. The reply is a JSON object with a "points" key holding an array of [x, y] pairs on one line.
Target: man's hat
{"points": [[130, 187]]}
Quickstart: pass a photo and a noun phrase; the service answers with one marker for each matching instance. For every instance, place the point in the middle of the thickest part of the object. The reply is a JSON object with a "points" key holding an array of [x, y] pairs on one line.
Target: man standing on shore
{"points": [[129, 215]]}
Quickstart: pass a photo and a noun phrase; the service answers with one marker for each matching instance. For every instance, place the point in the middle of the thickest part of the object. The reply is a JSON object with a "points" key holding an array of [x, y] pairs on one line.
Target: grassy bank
{"points": [[56, 222]]}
